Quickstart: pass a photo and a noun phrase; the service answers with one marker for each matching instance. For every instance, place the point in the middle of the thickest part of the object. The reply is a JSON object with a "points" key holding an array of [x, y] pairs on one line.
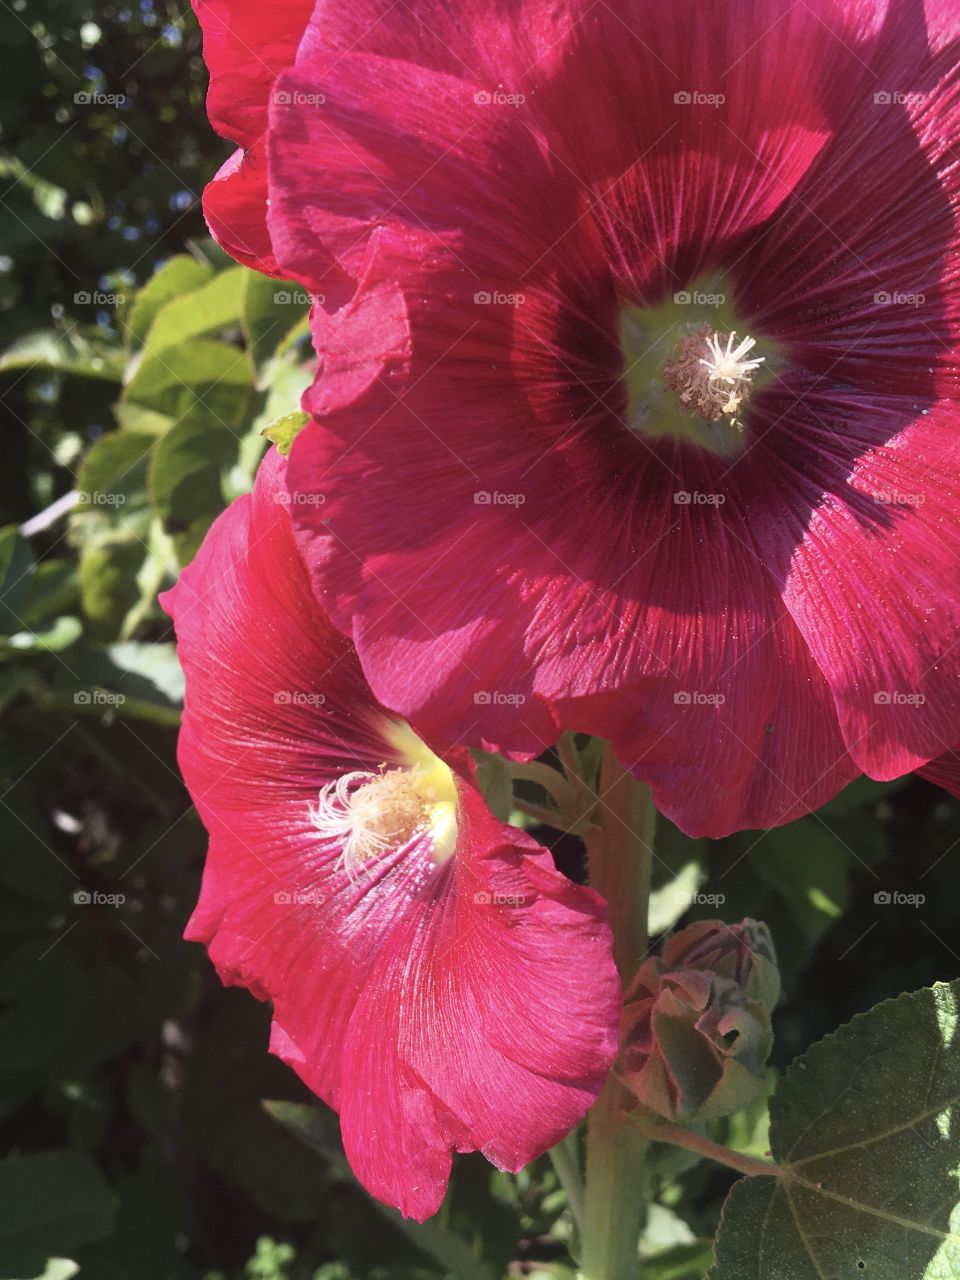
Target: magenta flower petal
{"points": [[944, 771], [870, 575], [454, 993], [663, 181], [516, 541], [530, 643], [726, 713], [234, 205], [245, 46], [748, 656]]}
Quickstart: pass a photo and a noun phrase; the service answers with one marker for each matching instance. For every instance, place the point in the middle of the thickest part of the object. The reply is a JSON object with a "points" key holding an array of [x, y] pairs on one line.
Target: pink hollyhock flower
{"points": [[640, 418], [245, 45], [433, 977], [945, 771]]}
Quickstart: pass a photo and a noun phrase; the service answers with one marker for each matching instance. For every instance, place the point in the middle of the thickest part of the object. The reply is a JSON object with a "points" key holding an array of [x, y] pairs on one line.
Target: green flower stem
{"points": [[554, 783], [666, 1131], [566, 1165], [540, 813], [569, 757], [620, 854]]}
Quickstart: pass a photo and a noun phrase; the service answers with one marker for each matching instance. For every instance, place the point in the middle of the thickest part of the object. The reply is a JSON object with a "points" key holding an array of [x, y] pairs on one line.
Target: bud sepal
{"points": [[696, 1031]]}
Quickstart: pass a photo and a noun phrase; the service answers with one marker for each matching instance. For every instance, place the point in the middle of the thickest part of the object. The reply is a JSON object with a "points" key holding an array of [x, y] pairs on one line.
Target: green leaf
{"points": [[186, 481], [59, 1269], [148, 1102], [312, 1125], [665, 1229], [28, 874], [212, 307], [49, 1204], [455, 1257], [748, 1130], [150, 668], [151, 1223], [809, 867], [136, 417], [111, 523], [680, 871], [273, 312], [289, 378], [284, 430], [318, 1130], [113, 475], [283, 1176], [16, 571], [865, 1129], [182, 274], [108, 583], [210, 381], [14, 681], [73, 353], [60, 634], [53, 591], [685, 1262], [46, 196], [861, 794], [495, 782], [130, 680], [668, 902], [43, 1005]]}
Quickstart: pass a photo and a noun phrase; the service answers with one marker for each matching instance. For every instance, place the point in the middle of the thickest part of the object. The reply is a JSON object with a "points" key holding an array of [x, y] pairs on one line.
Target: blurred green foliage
{"points": [[139, 369]]}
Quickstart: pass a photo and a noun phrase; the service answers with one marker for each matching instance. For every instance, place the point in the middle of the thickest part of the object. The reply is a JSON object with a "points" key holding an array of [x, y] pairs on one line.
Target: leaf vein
{"points": [[877, 1137]]}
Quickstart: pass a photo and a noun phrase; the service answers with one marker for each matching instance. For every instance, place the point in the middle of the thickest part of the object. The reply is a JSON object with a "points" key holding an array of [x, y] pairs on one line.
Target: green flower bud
{"points": [[696, 1033]]}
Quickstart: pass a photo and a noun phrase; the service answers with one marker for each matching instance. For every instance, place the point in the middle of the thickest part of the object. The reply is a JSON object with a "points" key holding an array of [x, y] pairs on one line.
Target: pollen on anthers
{"points": [[369, 814], [712, 379]]}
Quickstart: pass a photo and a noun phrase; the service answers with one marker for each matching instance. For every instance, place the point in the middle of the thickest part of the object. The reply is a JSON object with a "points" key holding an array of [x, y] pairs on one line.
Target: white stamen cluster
{"points": [[367, 814], [710, 379]]}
